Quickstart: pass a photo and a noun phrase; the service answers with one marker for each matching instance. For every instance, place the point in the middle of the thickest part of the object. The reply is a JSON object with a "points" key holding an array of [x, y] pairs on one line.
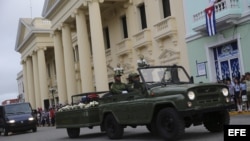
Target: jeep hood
{"points": [[182, 88]]}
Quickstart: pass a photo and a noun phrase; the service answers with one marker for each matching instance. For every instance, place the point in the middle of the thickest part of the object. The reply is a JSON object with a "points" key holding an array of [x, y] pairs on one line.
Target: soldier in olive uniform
{"points": [[134, 82], [130, 81], [118, 87]]}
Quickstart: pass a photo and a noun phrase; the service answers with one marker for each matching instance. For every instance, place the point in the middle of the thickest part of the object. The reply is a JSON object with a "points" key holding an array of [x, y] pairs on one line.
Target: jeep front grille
{"points": [[206, 95], [206, 90]]}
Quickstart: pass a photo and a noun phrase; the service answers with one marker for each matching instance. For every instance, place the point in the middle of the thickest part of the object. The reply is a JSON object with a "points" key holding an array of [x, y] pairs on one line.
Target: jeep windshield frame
{"points": [[163, 75]]}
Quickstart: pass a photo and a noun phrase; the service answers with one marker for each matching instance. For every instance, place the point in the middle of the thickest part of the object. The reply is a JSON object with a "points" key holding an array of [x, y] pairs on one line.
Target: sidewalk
{"points": [[239, 113]]}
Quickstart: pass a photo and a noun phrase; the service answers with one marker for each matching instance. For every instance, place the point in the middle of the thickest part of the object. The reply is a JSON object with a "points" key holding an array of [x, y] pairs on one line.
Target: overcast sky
{"points": [[10, 12]]}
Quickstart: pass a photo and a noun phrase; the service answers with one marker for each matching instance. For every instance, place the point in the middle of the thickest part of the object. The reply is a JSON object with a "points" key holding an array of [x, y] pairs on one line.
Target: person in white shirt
{"points": [[243, 93], [231, 92], [237, 93]]}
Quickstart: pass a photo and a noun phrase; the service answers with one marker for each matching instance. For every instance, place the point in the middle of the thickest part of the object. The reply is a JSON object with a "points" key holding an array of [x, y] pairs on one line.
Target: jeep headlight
{"points": [[11, 121], [224, 91], [191, 95]]}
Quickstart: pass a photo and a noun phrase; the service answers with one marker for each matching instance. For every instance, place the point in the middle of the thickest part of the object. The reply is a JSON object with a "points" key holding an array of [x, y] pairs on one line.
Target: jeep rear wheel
{"points": [[112, 128], [73, 132], [215, 121], [169, 124]]}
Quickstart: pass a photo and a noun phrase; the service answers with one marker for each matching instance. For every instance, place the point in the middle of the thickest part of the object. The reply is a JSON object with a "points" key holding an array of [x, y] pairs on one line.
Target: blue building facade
{"points": [[225, 54]]}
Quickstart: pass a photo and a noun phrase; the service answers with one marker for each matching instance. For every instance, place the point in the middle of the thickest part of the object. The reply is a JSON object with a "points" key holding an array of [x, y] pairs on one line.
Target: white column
{"points": [[60, 71], [42, 69], [99, 57], [30, 81], [36, 81], [26, 92], [69, 61], [84, 53]]}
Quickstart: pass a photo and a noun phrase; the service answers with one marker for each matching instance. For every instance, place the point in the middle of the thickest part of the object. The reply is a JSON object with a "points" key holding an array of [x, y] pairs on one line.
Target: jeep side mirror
{"points": [[191, 79]]}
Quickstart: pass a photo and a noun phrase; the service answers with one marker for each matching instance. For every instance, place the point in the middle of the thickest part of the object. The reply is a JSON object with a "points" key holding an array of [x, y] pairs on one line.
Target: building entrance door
{"points": [[227, 63], [230, 68]]}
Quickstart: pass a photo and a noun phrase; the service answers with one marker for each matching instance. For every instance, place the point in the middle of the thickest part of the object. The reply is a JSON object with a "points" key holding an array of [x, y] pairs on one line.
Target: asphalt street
{"points": [[194, 133]]}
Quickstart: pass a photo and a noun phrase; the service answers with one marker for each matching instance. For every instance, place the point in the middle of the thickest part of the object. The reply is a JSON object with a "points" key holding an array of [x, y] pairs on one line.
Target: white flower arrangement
{"points": [[79, 106]]}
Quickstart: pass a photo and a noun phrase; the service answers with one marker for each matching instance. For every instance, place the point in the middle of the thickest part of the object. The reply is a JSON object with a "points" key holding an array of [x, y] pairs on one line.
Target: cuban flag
{"points": [[210, 20]]}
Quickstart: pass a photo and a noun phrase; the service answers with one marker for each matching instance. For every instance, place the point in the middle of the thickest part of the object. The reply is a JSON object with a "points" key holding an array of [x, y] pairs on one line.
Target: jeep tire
{"points": [[169, 124], [215, 121], [73, 132], [113, 129]]}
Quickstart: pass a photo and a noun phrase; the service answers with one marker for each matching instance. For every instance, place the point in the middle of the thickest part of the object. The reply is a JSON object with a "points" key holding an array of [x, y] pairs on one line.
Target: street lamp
{"points": [[53, 90]]}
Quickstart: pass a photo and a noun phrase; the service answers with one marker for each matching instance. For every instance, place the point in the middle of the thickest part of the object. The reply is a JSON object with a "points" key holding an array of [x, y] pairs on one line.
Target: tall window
{"points": [[76, 54], [106, 37], [48, 68], [166, 8], [54, 65], [143, 16], [124, 26]]}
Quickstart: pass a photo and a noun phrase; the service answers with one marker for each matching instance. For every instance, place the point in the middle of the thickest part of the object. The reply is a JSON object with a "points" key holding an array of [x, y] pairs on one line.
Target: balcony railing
{"points": [[142, 38], [226, 11], [166, 27], [123, 47]]}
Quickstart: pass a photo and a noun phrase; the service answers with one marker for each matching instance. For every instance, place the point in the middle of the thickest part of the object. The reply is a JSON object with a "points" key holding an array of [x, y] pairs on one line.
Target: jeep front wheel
{"points": [[169, 124], [215, 121], [112, 128], [73, 132]]}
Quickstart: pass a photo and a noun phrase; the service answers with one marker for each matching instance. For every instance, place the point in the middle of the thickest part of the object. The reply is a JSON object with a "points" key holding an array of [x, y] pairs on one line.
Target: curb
{"points": [[239, 113]]}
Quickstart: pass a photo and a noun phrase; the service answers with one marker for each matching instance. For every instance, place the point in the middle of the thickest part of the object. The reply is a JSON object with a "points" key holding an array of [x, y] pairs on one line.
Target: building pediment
{"points": [[28, 27], [24, 28]]}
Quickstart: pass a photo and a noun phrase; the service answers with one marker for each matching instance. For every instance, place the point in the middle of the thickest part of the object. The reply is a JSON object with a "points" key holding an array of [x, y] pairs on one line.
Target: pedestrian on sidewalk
{"points": [[231, 93], [237, 92]]}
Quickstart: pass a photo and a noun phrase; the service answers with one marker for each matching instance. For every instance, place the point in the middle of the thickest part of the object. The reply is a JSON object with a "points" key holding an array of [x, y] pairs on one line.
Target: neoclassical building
{"points": [[85, 40]]}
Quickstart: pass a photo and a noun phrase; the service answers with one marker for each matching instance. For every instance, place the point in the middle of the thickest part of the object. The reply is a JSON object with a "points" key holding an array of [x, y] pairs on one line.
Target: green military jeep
{"points": [[168, 103]]}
